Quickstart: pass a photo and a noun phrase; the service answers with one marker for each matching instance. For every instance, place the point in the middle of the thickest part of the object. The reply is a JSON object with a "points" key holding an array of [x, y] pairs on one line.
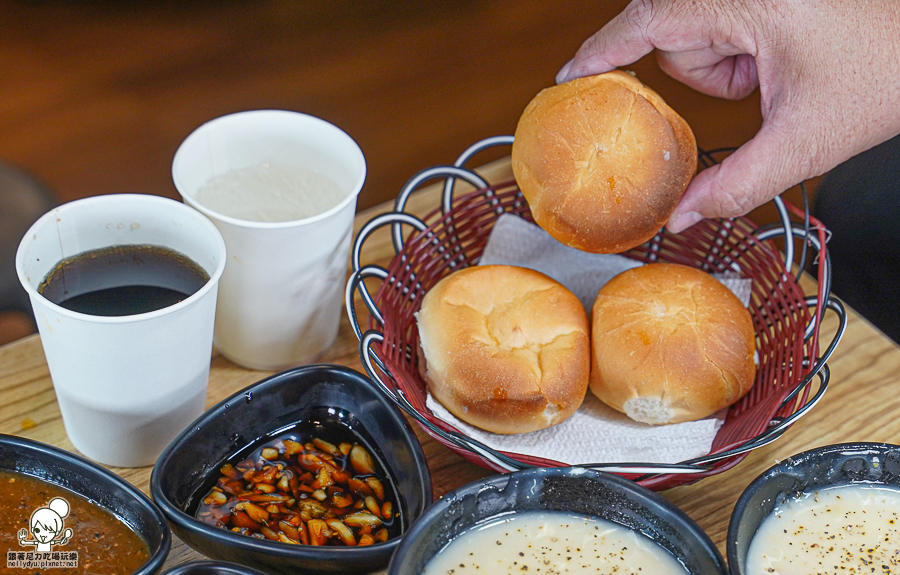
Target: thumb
{"points": [[761, 169], [622, 41]]}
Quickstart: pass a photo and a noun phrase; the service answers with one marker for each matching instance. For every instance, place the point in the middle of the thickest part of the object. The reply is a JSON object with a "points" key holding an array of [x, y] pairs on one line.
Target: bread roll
{"points": [[670, 344], [602, 161], [506, 349]]}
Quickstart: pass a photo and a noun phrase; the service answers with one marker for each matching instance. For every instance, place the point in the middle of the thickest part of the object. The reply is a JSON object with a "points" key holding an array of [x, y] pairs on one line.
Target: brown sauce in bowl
{"points": [[73, 537]]}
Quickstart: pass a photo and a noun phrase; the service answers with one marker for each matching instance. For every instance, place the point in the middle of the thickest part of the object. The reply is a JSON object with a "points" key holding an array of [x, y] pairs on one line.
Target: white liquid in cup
{"points": [[270, 193], [281, 294]]}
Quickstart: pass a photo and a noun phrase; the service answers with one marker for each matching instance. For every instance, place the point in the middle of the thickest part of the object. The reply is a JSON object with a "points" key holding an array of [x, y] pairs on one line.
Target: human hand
{"points": [[828, 73]]}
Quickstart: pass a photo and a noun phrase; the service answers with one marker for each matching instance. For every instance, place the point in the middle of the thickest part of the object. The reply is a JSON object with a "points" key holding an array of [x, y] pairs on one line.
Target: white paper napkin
{"points": [[596, 433]]}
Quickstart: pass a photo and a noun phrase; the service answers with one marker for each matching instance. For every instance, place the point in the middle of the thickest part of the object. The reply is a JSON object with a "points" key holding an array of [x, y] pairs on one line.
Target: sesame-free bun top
{"points": [[506, 349], [602, 161], [670, 344]]}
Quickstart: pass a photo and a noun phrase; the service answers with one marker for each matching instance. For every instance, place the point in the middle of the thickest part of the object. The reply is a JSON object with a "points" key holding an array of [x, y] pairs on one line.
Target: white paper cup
{"points": [[126, 385], [280, 296]]}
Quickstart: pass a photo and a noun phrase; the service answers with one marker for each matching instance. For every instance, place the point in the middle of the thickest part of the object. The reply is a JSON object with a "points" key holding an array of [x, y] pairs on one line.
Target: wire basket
{"points": [[453, 236]]}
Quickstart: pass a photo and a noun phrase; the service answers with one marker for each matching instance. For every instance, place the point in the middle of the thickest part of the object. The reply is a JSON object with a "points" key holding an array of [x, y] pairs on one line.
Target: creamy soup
{"points": [[550, 543], [848, 529]]}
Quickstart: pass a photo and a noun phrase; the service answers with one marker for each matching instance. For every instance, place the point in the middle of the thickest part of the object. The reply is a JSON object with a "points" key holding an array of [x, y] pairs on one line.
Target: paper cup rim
{"points": [[134, 318], [251, 224]]}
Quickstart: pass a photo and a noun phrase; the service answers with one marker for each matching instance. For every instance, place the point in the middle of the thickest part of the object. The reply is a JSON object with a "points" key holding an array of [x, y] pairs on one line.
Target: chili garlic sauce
{"points": [[848, 529], [551, 542]]}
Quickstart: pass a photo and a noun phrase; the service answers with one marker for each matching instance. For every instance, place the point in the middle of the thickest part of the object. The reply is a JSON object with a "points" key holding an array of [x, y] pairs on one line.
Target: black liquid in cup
{"points": [[123, 280]]}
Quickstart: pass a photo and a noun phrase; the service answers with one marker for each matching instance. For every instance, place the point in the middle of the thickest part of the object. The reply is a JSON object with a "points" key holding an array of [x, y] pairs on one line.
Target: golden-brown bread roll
{"points": [[670, 344], [602, 161], [506, 349]]}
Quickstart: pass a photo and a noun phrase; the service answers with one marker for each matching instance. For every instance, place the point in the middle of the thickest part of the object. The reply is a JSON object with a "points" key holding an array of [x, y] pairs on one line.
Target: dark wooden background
{"points": [[96, 96]]}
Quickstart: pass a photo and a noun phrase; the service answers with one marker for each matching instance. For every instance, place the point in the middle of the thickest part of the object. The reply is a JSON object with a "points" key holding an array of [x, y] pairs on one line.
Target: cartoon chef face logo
{"points": [[46, 526]]}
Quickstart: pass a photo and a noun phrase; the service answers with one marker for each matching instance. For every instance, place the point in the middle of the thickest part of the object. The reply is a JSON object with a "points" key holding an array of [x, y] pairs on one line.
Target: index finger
{"points": [[622, 41]]}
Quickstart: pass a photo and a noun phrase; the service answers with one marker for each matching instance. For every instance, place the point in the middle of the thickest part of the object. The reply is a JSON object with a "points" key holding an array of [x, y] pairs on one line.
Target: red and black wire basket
{"points": [[792, 374]]}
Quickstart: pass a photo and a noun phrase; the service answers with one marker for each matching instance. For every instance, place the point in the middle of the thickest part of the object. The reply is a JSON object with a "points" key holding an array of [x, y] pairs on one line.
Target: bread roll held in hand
{"points": [[670, 344], [602, 161], [506, 349]]}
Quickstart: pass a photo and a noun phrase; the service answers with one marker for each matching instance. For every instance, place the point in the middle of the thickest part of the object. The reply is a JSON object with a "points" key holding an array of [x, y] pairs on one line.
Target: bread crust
{"points": [[676, 338], [602, 161], [506, 349]]}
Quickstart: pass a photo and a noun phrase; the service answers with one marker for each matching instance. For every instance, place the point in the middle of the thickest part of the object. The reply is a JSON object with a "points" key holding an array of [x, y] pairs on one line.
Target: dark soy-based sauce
{"points": [[219, 508]]}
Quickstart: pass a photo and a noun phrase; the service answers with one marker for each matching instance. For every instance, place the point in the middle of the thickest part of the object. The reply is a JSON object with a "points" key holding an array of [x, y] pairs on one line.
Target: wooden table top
{"points": [[861, 403]]}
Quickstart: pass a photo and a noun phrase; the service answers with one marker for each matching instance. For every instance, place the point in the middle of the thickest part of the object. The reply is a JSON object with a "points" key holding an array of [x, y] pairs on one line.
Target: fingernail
{"points": [[563, 73], [683, 221]]}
